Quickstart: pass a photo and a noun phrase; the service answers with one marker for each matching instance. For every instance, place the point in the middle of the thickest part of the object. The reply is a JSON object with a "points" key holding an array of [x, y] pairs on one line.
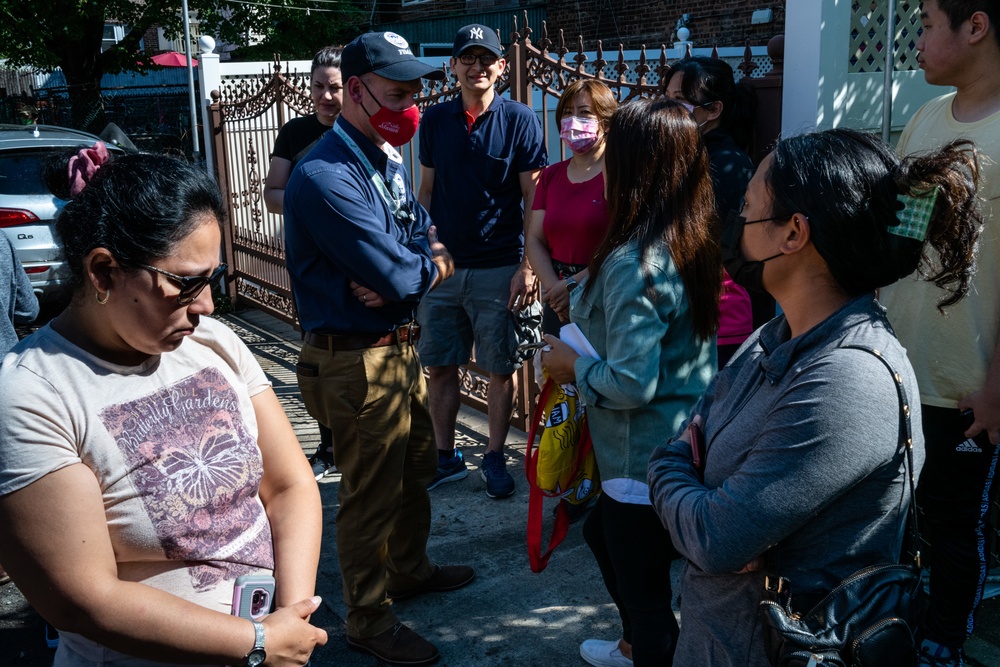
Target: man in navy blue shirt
{"points": [[480, 157], [361, 254]]}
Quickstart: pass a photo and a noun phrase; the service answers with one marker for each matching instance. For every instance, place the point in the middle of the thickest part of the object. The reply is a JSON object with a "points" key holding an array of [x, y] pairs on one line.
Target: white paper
{"points": [[572, 336]]}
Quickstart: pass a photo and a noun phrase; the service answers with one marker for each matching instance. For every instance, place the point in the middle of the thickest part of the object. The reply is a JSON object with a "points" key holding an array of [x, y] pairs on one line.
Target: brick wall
{"points": [[637, 22], [151, 41], [630, 22]]}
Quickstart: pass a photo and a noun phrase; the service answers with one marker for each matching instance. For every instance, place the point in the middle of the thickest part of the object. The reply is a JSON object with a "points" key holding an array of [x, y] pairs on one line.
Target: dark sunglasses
{"points": [[485, 59], [191, 286]]}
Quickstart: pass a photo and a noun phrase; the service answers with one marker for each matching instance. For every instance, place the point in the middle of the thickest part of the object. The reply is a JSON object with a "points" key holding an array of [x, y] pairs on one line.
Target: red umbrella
{"points": [[173, 59]]}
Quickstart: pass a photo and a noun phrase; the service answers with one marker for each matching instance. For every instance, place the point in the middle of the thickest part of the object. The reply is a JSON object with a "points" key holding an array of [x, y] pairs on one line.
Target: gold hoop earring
{"points": [[107, 295]]}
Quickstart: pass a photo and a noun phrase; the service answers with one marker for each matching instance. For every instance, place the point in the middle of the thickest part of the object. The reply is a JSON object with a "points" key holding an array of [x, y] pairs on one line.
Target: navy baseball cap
{"points": [[477, 34], [387, 55]]}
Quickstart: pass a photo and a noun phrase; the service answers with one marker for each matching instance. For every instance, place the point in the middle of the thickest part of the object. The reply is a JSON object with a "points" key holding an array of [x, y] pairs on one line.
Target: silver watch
{"points": [[256, 656]]}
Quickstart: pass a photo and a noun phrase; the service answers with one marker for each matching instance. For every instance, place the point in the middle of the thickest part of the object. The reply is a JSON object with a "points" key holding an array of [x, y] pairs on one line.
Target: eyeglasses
{"points": [[739, 215], [485, 59], [191, 286]]}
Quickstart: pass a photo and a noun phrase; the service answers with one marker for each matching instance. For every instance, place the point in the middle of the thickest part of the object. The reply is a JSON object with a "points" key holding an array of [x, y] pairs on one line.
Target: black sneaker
{"points": [[450, 469], [322, 466], [499, 483]]}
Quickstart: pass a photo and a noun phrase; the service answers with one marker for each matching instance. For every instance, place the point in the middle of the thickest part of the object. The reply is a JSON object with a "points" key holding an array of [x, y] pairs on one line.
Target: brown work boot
{"points": [[397, 646], [444, 578]]}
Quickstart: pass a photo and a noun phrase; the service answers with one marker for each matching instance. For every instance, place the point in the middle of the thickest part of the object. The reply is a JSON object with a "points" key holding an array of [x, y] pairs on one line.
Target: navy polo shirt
{"points": [[476, 203], [338, 228]]}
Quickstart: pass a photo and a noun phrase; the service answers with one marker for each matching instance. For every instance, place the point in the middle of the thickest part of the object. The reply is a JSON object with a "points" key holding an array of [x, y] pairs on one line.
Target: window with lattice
{"points": [[868, 35]]}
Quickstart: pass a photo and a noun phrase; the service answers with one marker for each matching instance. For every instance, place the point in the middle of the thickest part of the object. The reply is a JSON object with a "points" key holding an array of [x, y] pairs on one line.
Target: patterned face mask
{"points": [[580, 134]]}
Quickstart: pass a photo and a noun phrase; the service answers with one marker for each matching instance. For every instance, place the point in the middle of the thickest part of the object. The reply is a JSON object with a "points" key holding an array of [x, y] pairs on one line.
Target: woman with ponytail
{"points": [[650, 307], [803, 470]]}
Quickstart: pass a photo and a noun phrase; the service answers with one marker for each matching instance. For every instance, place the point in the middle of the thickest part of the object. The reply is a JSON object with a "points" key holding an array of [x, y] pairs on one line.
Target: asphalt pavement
{"points": [[507, 616]]}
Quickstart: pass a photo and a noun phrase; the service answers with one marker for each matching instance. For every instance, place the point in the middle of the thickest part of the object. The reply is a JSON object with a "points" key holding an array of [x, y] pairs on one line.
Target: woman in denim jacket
{"points": [[650, 307], [804, 474]]}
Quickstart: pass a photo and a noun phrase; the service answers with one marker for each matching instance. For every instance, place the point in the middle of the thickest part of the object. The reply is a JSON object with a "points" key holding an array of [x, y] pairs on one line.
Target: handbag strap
{"points": [[777, 585], [537, 559], [905, 441]]}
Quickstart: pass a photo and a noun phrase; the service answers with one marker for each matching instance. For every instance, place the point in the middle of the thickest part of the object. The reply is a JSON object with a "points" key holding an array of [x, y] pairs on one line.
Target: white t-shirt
{"points": [[951, 353], [172, 442]]}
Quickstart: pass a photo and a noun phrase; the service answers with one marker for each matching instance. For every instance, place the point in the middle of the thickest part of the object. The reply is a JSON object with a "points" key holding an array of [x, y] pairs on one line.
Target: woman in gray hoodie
{"points": [[803, 471]]}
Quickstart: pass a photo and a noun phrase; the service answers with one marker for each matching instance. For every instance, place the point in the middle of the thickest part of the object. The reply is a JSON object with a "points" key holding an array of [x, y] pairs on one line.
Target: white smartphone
{"points": [[253, 596]]}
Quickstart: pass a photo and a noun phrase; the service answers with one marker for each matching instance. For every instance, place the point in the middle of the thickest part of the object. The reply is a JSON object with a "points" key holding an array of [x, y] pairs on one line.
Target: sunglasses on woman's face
{"points": [[191, 286]]}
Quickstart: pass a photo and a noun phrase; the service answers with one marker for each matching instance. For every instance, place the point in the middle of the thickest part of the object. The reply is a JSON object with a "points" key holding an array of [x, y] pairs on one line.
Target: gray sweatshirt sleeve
{"points": [[789, 451]]}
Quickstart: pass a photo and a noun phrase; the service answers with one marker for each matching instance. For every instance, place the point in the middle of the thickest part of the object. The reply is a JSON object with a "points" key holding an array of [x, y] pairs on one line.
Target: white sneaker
{"points": [[603, 653]]}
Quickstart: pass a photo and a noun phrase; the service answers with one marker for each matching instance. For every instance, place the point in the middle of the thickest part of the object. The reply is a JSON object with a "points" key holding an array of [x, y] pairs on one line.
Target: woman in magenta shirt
{"points": [[569, 214], [724, 113]]}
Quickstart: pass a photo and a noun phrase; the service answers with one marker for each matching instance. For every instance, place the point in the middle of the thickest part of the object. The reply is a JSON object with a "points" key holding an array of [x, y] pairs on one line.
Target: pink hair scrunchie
{"points": [[84, 165]]}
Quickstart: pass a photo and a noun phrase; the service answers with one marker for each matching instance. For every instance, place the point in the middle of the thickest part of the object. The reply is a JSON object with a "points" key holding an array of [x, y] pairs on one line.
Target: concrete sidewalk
{"points": [[508, 616]]}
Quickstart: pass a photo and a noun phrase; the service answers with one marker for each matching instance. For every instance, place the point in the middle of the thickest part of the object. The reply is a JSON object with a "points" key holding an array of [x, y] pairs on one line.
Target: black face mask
{"points": [[747, 273]]}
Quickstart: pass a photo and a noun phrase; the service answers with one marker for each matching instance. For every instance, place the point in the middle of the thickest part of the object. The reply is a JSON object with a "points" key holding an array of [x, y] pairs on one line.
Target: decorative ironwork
{"points": [[266, 297], [246, 98], [473, 384]]}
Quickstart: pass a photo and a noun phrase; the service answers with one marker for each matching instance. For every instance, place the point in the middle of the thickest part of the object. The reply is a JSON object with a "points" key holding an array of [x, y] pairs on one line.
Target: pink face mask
{"points": [[580, 134]]}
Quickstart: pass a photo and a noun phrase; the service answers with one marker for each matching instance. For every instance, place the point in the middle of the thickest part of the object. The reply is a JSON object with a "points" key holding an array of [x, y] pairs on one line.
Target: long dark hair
{"points": [[660, 192], [707, 80], [139, 207], [847, 183]]}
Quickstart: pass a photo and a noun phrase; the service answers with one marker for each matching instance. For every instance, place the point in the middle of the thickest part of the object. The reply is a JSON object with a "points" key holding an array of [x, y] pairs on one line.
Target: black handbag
{"points": [[870, 618]]}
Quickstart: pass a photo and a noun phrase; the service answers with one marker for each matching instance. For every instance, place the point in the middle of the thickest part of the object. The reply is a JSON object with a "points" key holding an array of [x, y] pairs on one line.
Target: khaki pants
{"points": [[375, 402]]}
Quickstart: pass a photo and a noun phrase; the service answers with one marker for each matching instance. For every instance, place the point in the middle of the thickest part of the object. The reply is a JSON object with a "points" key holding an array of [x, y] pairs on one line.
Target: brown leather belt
{"points": [[408, 333]]}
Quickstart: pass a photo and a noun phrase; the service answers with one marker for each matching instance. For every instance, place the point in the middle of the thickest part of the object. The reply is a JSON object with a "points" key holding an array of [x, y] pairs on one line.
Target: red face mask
{"points": [[396, 127]]}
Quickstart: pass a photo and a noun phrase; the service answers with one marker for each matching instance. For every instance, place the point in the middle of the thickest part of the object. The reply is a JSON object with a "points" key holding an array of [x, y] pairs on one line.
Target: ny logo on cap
{"points": [[476, 33]]}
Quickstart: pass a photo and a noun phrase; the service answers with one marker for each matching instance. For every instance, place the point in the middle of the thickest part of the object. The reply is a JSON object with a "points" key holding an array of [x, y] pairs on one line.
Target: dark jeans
{"points": [[325, 447], [957, 486], [634, 552]]}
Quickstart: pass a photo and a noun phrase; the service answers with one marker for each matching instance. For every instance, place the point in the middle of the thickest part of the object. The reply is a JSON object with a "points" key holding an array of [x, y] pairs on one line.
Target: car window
{"points": [[21, 172]]}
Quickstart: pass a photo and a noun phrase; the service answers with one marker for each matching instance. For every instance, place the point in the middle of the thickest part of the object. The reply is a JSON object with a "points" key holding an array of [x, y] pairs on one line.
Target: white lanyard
{"points": [[396, 204]]}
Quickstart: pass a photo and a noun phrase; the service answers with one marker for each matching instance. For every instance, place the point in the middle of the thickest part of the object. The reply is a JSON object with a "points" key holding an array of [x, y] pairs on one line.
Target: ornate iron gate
{"points": [[246, 116]]}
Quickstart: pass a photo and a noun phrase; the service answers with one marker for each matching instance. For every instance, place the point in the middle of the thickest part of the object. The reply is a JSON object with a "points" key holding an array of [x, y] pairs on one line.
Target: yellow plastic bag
{"points": [[562, 465], [559, 470]]}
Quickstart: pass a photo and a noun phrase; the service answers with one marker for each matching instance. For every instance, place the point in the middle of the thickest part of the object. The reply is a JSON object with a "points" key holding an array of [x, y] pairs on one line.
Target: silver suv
{"points": [[28, 209]]}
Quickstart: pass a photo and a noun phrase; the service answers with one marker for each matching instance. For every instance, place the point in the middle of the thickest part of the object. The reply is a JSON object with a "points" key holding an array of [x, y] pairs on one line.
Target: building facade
{"points": [[632, 23]]}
